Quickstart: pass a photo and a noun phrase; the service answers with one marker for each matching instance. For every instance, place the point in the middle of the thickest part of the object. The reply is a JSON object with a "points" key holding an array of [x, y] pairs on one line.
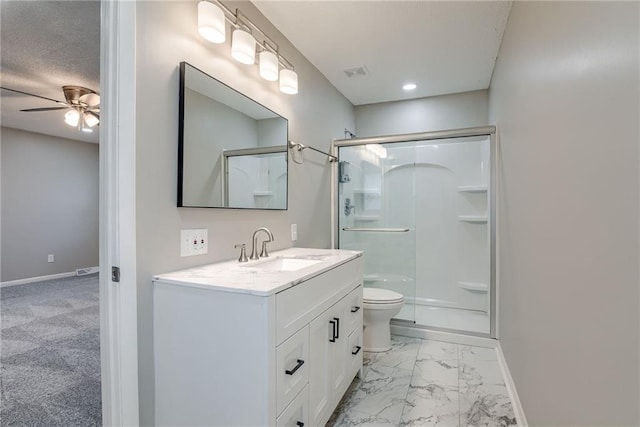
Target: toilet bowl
{"points": [[380, 305]]}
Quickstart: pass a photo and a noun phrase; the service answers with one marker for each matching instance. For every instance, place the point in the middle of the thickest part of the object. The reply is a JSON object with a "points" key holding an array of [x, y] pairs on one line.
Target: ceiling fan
{"points": [[83, 105]]}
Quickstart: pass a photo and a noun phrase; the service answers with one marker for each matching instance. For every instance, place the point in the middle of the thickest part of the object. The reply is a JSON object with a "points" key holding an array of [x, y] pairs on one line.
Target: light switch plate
{"points": [[194, 241], [294, 232]]}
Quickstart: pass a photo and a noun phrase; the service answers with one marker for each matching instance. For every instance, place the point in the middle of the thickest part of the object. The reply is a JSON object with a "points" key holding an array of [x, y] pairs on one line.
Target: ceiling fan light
{"points": [[268, 66], [72, 117], [288, 81], [243, 47], [90, 120], [211, 23]]}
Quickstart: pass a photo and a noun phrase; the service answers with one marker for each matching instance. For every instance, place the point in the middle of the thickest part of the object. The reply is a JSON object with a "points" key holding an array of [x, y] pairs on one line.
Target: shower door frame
{"points": [[489, 131]]}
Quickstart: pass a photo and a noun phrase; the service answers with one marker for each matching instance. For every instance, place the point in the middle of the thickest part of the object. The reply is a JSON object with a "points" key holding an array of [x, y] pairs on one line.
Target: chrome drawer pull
{"points": [[293, 371]]}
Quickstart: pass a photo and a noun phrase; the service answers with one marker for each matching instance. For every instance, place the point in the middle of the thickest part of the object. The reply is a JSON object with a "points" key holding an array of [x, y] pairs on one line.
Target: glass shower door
{"points": [[376, 214], [422, 213]]}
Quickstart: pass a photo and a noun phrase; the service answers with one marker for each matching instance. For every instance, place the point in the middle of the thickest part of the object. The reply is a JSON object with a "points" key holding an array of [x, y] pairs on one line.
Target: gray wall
{"points": [[49, 204], [453, 111], [166, 35], [564, 96]]}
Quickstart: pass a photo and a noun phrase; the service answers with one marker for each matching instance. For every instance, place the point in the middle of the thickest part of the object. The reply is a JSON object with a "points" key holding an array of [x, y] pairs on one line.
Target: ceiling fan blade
{"points": [[44, 109], [31, 94]]}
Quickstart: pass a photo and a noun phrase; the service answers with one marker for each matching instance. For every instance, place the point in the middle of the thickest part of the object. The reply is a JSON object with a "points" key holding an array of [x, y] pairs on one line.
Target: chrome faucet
{"points": [[264, 253]]}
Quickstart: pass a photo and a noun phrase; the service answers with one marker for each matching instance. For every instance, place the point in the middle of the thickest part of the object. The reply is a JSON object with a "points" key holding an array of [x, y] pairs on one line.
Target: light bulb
{"points": [[288, 81], [211, 24], [72, 117], [243, 47], [90, 120], [268, 66]]}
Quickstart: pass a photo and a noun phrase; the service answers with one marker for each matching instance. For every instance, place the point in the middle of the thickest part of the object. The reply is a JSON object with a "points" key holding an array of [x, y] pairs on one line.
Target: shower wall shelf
{"points": [[474, 286], [473, 219], [472, 188]]}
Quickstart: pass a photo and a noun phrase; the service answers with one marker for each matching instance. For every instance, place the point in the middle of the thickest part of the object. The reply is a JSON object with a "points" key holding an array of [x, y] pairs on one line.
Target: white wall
{"points": [[49, 204], [166, 35], [564, 96], [459, 110]]}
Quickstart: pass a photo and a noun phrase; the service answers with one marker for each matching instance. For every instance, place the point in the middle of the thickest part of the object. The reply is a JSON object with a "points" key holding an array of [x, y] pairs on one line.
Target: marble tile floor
{"points": [[427, 383]]}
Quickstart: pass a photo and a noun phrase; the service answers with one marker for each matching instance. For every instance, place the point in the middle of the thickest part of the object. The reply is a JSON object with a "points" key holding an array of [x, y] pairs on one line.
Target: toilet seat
{"points": [[381, 296]]}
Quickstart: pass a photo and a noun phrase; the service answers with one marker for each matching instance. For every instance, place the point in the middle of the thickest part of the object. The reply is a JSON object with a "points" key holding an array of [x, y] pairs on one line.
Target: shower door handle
{"points": [[378, 230]]}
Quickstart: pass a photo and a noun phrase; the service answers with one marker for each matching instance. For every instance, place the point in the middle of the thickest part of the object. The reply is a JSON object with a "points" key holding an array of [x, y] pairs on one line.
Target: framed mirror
{"points": [[232, 151]]}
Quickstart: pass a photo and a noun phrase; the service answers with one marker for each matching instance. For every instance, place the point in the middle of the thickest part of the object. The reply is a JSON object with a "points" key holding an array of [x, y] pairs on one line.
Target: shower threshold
{"points": [[447, 318]]}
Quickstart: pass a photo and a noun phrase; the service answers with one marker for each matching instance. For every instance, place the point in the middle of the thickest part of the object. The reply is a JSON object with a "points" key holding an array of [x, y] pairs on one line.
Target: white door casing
{"points": [[118, 301]]}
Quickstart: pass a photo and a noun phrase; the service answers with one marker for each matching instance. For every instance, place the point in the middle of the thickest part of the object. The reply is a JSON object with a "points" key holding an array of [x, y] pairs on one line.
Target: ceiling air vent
{"points": [[356, 72]]}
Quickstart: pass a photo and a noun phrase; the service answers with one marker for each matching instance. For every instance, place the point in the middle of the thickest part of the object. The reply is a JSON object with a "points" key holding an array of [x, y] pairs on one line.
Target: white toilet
{"points": [[380, 305]]}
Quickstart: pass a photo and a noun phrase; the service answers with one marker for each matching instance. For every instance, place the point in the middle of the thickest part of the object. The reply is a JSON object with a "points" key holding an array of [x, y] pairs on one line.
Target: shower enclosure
{"points": [[421, 207]]}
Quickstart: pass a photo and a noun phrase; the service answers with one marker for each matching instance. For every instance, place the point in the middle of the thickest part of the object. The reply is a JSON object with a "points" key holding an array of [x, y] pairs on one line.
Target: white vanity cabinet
{"points": [[257, 349]]}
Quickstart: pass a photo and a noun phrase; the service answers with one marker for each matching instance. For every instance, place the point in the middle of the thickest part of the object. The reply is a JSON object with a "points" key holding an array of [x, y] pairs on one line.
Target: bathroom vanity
{"points": [[270, 342]]}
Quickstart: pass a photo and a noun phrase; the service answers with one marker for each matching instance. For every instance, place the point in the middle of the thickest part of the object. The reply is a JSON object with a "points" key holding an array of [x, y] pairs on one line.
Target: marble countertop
{"points": [[246, 278]]}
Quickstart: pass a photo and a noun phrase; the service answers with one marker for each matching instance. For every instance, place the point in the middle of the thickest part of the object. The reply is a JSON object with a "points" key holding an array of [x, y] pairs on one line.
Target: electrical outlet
{"points": [[294, 232], [194, 242], [50, 258]]}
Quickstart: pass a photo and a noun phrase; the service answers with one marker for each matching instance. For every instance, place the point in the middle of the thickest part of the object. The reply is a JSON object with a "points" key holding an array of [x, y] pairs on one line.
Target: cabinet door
{"points": [[321, 341], [339, 363]]}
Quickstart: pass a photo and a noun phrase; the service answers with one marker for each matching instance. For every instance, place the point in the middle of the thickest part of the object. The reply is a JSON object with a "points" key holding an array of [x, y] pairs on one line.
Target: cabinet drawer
{"points": [[297, 306], [297, 413], [354, 352], [354, 310], [292, 364]]}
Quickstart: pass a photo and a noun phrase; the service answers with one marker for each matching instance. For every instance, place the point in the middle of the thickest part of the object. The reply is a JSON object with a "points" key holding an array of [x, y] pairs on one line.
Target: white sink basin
{"points": [[283, 264]]}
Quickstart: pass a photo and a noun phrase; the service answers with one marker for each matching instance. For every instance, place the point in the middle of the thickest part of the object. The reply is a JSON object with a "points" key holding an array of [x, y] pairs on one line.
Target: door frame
{"points": [[118, 300]]}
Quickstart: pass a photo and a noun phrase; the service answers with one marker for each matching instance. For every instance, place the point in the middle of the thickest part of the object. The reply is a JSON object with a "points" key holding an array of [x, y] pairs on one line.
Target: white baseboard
{"points": [[36, 279], [511, 388]]}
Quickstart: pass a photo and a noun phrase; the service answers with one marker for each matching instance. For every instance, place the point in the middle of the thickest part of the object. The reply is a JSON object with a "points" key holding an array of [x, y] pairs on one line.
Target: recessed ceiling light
{"points": [[409, 86]]}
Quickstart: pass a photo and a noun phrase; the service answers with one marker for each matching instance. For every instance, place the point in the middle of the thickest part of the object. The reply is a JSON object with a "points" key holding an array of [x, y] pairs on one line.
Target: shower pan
{"points": [[421, 207]]}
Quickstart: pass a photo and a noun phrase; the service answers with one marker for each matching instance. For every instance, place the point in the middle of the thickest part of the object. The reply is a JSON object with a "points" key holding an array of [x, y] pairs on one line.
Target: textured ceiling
{"points": [[45, 45], [442, 46]]}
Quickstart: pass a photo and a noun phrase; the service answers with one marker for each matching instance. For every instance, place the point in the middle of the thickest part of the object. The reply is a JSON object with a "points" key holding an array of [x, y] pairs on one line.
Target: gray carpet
{"points": [[50, 353]]}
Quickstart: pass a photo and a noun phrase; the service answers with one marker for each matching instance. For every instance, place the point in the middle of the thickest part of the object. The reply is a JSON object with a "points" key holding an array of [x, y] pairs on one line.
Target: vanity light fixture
{"points": [[211, 23], [269, 66], [409, 86], [243, 47], [212, 15], [288, 81]]}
